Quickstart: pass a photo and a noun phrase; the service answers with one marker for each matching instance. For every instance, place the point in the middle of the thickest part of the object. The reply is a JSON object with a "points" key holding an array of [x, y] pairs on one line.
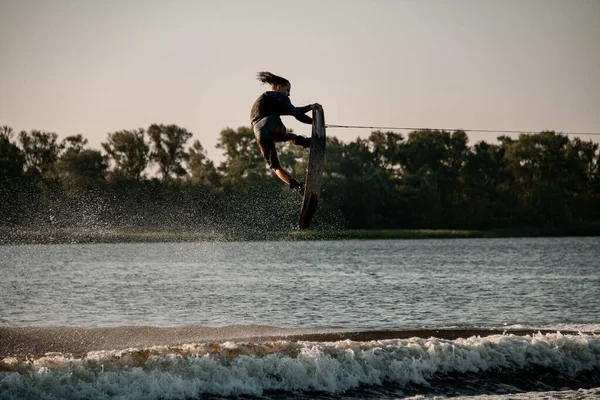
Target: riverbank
{"points": [[80, 235]]}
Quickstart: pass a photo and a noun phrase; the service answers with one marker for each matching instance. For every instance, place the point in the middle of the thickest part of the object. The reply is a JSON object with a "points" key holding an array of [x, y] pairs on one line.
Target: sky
{"points": [[96, 67]]}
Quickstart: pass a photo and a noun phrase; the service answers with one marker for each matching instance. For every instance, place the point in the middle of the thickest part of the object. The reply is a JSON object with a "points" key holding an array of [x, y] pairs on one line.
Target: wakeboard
{"points": [[314, 172]]}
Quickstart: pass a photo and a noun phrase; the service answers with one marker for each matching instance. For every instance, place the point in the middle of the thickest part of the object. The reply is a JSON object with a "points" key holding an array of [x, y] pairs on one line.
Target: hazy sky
{"points": [[94, 67]]}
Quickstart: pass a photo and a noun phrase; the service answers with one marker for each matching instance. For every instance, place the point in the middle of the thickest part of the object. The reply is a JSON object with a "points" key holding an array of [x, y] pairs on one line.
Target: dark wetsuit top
{"points": [[267, 125], [277, 103]]}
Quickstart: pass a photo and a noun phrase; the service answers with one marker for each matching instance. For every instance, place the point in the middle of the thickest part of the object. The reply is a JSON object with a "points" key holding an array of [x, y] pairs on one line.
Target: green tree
{"points": [[538, 157], [387, 148], [582, 161], [489, 198], [12, 160], [7, 132], [432, 162], [41, 150], [201, 169], [369, 189], [542, 173], [12, 163], [243, 162], [334, 189], [547, 205], [130, 153], [76, 142], [168, 148], [80, 168], [357, 192]]}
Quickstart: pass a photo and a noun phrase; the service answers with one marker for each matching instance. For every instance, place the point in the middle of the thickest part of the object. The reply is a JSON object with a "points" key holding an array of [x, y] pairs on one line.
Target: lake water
{"points": [[251, 289]]}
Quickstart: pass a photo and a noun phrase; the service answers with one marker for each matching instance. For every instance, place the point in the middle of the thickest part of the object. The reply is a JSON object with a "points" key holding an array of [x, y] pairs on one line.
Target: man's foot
{"points": [[299, 140], [306, 142]]}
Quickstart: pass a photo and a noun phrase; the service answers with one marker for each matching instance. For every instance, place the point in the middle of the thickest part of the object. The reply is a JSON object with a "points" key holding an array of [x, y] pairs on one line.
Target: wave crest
{"points": [[231, 369]]}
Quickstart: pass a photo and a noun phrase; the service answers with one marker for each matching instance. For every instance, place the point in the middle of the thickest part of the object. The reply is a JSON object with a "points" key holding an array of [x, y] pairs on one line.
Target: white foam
{"points": [[559, 327], [232, 369], [573, 327]]}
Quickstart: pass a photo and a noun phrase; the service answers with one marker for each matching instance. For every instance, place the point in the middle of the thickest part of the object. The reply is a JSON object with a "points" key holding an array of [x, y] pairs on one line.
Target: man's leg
{"points": [[267, 148], [288, 179], [282, 174]]}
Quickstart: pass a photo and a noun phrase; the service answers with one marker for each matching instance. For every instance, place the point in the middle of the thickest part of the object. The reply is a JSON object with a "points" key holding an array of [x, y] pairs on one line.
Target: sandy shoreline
{"points": [[37, 340]]}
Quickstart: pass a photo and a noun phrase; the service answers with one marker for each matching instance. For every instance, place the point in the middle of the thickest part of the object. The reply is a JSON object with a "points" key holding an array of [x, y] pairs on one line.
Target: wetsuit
{"points": [[267, 125]]}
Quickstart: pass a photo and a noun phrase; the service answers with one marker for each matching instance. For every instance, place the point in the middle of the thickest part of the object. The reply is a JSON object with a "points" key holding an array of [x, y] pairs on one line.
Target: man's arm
{"points": [[298, 113], [304, 109]]}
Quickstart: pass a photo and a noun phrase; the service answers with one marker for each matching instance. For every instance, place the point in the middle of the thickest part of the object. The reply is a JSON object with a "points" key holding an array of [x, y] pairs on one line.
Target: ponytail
{"points": [[274, 80]]}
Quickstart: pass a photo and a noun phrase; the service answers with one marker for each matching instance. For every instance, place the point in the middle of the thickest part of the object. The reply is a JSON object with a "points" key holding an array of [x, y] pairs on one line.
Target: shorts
{"points": [[267, 132]]}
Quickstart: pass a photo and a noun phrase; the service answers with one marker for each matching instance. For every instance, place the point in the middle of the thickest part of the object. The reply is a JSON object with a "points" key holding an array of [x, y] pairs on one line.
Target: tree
{"points": [[489, 197], [582, 161], [334, 189], [368, 187], [76, 142], [130, 152], [81, 168], [12, 160], [12, 163], [41, 150], [168, 148], [357, 192], [386, 148], [201, 169], [535, 158], [243, 161], [433, 163], [7, 132]]}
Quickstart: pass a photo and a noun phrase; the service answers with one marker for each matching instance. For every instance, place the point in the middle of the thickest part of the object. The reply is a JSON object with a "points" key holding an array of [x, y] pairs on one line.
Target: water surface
{"points": [[273, 320], [358, 285]]}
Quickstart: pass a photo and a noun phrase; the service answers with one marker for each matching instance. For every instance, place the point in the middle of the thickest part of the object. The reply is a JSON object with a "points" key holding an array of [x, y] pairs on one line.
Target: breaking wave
{"points": [[282, 368]]}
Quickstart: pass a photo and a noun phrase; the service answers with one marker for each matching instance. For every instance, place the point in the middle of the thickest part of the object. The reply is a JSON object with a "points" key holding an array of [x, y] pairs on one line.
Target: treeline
{"points": [[155, 178]]}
